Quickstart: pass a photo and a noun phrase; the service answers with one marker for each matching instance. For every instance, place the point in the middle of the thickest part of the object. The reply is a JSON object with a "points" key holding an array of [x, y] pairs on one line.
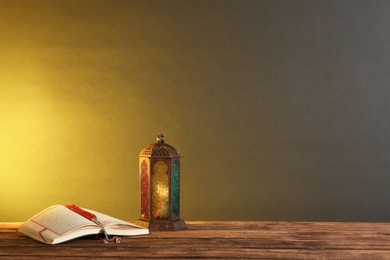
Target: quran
{"points": [[59, 223]]}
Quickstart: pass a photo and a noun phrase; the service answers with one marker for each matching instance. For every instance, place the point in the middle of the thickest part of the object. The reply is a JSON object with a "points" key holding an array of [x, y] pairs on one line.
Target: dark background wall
{"points": [[280, 108]]}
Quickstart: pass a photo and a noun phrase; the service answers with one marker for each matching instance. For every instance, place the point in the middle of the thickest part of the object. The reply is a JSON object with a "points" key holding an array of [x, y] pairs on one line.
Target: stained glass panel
{"points": [[160, 193], [175, 190], [144, 190]]}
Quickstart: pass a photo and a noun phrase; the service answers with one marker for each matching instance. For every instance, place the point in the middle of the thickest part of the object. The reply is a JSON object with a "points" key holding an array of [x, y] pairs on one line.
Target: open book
{"points": [[58, 224]]}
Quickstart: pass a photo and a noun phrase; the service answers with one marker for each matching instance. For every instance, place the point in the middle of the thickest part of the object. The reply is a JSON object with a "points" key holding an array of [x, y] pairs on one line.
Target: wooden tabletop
{"points": [[223, 240]]}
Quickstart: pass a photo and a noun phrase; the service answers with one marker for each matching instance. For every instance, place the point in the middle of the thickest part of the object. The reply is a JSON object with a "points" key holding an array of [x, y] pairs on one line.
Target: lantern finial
{"points": [[160, 138]]}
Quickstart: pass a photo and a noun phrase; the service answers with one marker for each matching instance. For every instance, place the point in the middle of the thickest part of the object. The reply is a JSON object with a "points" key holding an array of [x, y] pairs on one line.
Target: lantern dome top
{"points": [[160, 149]]}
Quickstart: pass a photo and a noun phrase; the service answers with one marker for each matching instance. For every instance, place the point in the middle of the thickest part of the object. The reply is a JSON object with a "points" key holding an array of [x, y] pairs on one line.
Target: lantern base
{"points": [[162, 225]]}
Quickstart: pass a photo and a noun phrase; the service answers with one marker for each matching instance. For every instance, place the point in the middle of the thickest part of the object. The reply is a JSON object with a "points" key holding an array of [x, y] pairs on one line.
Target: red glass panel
{"points": [[144, 191]]}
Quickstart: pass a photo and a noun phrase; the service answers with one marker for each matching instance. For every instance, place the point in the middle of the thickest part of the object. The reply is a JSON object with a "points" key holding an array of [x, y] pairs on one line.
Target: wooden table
{"points": [[224, 240]]}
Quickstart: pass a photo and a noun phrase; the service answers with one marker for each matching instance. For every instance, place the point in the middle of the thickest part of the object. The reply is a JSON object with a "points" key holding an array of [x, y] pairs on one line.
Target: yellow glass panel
{"points": [[160, 193]]}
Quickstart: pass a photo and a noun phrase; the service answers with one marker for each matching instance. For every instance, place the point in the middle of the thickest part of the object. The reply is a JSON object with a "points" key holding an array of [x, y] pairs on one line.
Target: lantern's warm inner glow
{"points": [[160, 196]]}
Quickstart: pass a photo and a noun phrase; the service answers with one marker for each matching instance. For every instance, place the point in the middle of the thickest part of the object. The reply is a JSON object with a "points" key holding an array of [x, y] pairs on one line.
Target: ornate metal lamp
{"points": [[159, 165]]}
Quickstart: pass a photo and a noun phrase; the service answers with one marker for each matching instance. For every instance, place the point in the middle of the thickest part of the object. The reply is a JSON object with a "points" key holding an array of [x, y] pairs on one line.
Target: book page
{"points": [[60, 219], [57, 224], [116, 226], [107, 220]]}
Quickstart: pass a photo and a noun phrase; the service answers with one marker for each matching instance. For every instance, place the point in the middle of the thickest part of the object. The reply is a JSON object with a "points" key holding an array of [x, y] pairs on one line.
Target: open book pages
{"points": [[58, 224]]}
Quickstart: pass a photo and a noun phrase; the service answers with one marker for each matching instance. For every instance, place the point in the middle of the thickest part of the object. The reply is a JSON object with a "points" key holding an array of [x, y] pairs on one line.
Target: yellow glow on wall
{"points": [[70, 121], [24, 122], [57, 150]]}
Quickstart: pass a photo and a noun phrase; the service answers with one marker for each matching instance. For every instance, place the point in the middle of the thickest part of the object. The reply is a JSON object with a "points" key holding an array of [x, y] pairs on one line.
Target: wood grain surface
{"points": [[219, 240]]}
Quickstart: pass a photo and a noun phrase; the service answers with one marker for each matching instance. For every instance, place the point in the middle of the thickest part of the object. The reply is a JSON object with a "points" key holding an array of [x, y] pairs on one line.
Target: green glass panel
{"points": [[160, 191], [175, 190]]}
